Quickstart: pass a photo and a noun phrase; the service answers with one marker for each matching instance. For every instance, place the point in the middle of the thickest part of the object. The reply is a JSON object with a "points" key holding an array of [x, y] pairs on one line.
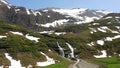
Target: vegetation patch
{"points": [[113, 62]]}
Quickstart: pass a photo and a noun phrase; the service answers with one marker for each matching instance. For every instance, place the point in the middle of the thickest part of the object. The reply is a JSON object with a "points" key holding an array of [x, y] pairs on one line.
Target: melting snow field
{"points": [[55, 23], [27, 36], [49, 61], [17, 64], [14, 63], [2, 36], [52, 32], [32, 38], [104, 54]]}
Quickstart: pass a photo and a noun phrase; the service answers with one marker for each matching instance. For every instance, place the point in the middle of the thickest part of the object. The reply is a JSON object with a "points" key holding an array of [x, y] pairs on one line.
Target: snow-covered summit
{"points": [[48, 17], [71, 12], [80, 13], [4, 2], [74, 16]]}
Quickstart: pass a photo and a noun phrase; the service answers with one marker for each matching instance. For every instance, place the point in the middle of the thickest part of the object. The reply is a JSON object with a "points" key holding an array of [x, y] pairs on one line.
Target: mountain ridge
{"points": [[45, 19]]}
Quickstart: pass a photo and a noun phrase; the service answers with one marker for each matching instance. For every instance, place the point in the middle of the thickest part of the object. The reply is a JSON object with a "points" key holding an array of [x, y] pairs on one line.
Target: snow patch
{"points": [[29, 66], [116, 37], [109, 23], [91, 44], [71, 12], [114, 31], [55, 23], [28, 11], [14, 63], [48, 16], [2, 36], [112, 38], [2, 66], [86, 19], [89, 19], [100, 42], [36, 12], [52, 32], [17, 10], [105, 12], [17, 33], [49, 50], [118, 27], [99, 29], [45, 10], [117, 17], [4, 2], [104, 28], [95, 24], [59, 33], [49, 61], [32, 38], [104, 54], [108, 17], [8, 7], [92, 30], [108, 39], [46, 32]]}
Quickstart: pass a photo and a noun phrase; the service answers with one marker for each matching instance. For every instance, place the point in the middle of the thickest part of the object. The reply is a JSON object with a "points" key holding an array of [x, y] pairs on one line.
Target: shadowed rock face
{"points": [[113, 15], [33, 19], [3, 12]]}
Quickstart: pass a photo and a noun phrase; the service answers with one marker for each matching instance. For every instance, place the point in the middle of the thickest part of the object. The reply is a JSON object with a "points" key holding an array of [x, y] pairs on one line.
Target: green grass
{"points": [[113, 66], [112, 62], [109, 60], [62, 64]]}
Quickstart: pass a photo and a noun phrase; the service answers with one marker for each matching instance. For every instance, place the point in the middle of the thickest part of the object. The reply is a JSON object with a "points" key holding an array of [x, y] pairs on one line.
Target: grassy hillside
{"points": [[83, 38], [26, 50]]}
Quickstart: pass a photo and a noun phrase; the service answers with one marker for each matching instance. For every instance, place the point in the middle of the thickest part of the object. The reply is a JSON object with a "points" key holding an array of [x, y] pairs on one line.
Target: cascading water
{"points": [[72, 50], [61, 50]]}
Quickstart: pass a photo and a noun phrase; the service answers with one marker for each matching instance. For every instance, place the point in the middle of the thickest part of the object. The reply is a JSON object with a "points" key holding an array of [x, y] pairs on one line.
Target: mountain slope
{"points": [[98, 39], [102, 35], [28, 47], [44, 18], [76, 35]]}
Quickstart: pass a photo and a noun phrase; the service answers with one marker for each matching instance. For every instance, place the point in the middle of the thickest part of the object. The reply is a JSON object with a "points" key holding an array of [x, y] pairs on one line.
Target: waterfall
{"points": [[61, 50], [72, 50]]}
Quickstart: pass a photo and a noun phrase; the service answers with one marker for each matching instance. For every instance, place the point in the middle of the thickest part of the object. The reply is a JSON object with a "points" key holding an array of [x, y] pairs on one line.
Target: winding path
{"points": [[83, 64]]}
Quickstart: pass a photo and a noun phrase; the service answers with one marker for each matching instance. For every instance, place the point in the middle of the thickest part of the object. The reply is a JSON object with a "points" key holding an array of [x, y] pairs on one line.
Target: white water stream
{"points": [[72, 50], [61, 50]]}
